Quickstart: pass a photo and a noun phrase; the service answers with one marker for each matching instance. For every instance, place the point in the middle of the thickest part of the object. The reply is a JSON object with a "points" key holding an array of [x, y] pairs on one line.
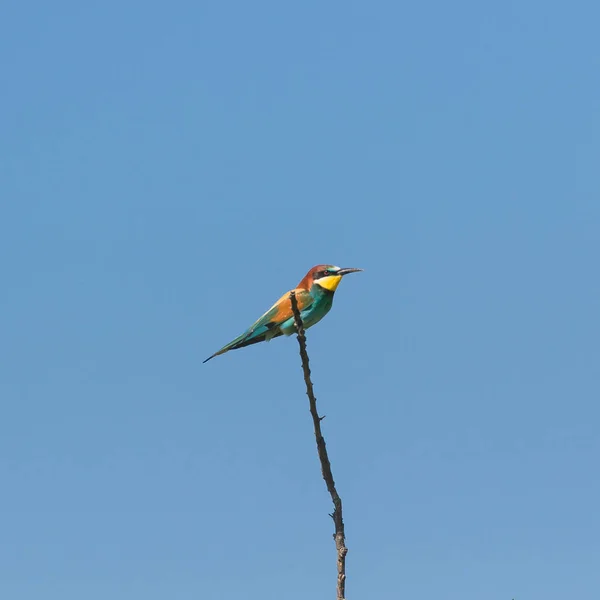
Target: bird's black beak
{"points": [[348, 270]]}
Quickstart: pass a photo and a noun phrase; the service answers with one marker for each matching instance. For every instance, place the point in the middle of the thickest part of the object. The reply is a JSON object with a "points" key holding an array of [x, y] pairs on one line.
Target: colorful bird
{"points": [[315, 297]]}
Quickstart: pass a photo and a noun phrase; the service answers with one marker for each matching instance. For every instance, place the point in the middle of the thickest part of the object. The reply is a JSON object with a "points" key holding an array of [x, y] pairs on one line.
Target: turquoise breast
{"points": [[313, 314]]}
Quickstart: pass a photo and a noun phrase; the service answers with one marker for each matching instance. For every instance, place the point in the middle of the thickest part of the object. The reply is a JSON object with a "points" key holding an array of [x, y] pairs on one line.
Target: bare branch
{"points": [[339, 536]]}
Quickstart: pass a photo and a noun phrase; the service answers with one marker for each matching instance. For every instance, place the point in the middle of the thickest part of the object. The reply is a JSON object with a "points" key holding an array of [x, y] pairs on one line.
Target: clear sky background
{"points": [[168, 170]]}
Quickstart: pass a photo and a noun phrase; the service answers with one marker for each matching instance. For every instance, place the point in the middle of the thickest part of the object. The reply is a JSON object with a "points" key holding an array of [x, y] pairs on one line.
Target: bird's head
{"points": [[326, 276]]}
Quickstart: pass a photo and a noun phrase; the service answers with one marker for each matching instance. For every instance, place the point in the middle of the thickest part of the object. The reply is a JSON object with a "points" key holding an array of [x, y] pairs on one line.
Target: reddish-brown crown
{"points": [[308, 279]]}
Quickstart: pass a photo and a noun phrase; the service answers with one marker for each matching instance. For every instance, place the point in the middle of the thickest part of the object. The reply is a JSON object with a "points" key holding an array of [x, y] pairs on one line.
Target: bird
{"points": [[314, 295]]}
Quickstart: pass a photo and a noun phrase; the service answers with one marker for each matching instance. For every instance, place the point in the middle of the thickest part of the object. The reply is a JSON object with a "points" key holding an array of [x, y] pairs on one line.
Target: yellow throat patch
{"points": [[330, 282]]}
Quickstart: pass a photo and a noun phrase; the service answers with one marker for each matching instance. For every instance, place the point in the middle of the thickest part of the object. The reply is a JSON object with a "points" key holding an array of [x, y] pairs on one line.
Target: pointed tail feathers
{"points": [[247, 338]]}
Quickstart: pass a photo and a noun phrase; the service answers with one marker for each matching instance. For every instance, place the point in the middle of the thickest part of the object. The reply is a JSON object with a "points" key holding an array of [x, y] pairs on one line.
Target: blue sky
{"points": [[167, 171]]}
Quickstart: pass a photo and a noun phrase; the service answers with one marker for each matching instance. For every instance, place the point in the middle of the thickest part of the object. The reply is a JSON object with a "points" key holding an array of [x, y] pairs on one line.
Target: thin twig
{"points": [[339, 536]]}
